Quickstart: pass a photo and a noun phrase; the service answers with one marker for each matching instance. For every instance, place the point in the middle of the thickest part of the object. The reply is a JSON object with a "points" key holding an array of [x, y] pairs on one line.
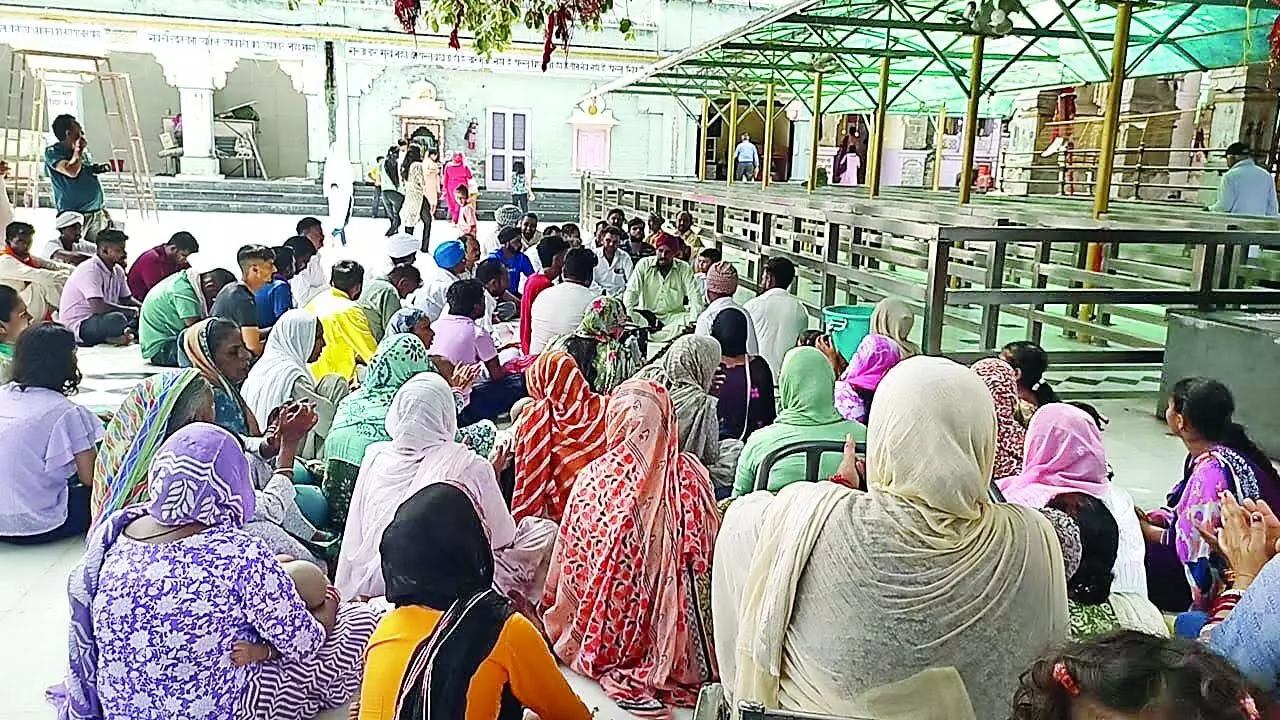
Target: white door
{"points": [[508, 145]]}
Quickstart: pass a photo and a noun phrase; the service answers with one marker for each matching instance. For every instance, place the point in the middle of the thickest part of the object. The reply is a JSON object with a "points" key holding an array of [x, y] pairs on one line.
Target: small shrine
{"points": [[592, 125], [422, 116]]}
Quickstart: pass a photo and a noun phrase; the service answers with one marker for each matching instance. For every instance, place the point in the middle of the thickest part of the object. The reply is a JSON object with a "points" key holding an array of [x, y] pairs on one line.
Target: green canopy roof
{"points": [[1054, 43]]}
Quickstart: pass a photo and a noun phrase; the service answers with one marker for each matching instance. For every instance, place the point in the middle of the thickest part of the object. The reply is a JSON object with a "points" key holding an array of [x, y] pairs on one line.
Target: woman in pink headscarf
{"points": [[876, 355], [455, 173]]}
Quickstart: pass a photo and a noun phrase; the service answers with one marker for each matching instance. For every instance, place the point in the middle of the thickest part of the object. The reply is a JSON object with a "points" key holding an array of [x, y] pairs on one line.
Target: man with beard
{"points": [[664, 286]]}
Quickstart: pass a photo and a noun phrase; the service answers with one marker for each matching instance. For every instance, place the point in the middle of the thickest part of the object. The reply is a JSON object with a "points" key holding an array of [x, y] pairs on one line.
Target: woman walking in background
{"points": [[521, 187], [413, 184], [455, 173]]}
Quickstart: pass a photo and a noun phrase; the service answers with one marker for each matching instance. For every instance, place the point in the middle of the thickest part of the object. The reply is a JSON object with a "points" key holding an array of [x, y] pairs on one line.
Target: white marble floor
{"points": [[33, 608]]}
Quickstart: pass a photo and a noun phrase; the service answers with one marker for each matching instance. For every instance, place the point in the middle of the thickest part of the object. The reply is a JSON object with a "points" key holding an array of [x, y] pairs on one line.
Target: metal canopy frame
{"points": [[1054, 43]]}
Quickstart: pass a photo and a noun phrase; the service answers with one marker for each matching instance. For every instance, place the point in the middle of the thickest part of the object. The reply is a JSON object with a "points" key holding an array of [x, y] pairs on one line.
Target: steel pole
{"points": [[767, 160], [1111, 114], [733, 137], [702, 151], [971, 118]]}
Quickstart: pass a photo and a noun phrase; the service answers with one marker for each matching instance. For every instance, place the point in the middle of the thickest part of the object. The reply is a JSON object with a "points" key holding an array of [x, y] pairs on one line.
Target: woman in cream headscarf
{"points": [[919, 572], [893, 319]]}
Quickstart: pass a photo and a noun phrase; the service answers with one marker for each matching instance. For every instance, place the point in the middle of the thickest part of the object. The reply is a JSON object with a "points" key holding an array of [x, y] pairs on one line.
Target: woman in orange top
{"points": [[454, 644]]}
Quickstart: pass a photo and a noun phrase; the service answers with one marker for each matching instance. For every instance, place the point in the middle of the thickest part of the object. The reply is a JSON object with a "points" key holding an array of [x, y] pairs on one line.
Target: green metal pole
{"points": [[767, 161], [877, 140], [1111, 114], [702, 151]]}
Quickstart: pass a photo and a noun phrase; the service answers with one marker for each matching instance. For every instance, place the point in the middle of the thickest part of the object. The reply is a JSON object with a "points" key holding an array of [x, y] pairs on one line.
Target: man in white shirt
{"points": [[722, 283], [613, 266], [779, 317], [311, 280], [558, 310], [450, 264], [746, 159], [69, 247], [1246, 188]]}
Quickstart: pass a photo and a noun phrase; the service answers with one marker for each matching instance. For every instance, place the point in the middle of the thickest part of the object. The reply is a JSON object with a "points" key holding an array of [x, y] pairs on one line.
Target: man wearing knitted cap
{"points": [[506, 216], [722, 283], [450, 265], [663, 285], [69, 247]]}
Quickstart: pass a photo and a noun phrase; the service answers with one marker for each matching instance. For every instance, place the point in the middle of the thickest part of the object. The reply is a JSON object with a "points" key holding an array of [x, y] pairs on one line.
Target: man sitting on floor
{"points": [[96, 303], [348, 337], [450, 266], [276, 297], [238, 302], [177, 303], [461, 341], [38, 281], [160, 262], [664, 286], [382, 299], [69, 247], [551, 255], [559, 310]]}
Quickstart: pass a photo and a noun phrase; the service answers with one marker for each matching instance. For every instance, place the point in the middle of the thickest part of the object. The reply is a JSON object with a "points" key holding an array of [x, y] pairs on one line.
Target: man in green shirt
{"points": [[663, 284], [173, 306]]}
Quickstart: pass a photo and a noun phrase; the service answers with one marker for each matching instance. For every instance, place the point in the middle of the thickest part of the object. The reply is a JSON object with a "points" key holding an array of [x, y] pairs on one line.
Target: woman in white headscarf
{"points": [[296, 340], [422, 423], [339, 189], [824, 598]]}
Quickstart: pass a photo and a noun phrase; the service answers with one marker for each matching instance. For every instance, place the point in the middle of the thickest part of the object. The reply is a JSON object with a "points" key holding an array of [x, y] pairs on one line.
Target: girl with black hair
{"points": [[47, 441], [1220, 458], [1030, 362], [1135, 675]]}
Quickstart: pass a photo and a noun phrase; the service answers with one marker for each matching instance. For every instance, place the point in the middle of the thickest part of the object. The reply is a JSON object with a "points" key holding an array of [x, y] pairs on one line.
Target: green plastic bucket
{"points": [[847, 325]]}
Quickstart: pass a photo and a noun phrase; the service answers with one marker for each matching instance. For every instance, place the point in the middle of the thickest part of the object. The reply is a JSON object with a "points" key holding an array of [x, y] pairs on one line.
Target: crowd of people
{"points": [[420, 492]]}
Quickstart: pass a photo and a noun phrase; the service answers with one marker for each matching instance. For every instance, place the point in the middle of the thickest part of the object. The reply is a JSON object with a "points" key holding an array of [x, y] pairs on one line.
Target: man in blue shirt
{"points": [[276, 298], [746, 160], [511, 254], [75, 177]]}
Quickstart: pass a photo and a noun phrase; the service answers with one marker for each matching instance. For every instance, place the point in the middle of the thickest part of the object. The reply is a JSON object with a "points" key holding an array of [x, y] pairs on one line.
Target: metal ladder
{"points": [[128, 160]]}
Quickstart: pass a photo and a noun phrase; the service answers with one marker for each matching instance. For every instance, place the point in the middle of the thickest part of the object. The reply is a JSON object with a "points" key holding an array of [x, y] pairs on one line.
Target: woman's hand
{"points": [[295, 422], [717, 381], [500, 457], [852, 470], [1151, 532], [464, 376], [834, 357], [1243, 539]]}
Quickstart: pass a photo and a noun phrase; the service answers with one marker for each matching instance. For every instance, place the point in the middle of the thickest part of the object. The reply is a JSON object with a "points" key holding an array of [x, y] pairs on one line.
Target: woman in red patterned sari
{"points": [[560, 431], [630, 574]]}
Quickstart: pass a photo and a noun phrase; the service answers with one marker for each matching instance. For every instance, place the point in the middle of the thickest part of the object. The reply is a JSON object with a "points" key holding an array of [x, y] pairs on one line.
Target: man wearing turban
{"points": [[450, 266], [664, 285]]}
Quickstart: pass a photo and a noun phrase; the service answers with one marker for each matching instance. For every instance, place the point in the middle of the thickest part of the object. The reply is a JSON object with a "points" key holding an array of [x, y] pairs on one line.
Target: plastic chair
{"points": [[813, 451]]}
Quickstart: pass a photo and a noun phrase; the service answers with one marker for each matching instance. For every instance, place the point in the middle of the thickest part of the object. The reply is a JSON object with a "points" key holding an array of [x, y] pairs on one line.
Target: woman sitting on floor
{"points": [[1063, 453], [627, 589], [422, 452], [14, 319], [1029, 362], [893, 318], [452, 644], [215, 347], [876, 355], [560, 430], [47, 441], [688, 371], [1011, 429], [166, 588], [1221, 457], [746, 395], [605, 353], [860, 590], [807, 411], [281, 374]]}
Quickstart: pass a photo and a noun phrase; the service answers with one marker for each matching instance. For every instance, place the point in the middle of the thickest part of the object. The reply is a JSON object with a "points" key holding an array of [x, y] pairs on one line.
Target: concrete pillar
{"points": [[1184, 131], [1244, 110], [1145, 96], [197, 74], [308, 78], [1028, 136]]}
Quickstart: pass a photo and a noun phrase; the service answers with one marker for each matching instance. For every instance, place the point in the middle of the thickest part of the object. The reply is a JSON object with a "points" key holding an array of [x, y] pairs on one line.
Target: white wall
{"points": [[152, 96], [282, 131]]}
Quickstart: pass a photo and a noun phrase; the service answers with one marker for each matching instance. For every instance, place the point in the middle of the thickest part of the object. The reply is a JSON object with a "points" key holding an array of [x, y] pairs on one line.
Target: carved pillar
{"points": [[308, 78], [197, 74], [1244, 110]]}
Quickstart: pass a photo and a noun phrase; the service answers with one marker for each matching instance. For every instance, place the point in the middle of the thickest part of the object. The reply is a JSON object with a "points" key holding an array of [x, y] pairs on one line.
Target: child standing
{"points": [[521, 188], [466, 212]]}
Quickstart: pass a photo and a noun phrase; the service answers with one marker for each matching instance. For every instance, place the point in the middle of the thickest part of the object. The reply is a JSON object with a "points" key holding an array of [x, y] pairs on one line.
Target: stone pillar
{"points": [[1142, 96], [197, 74], [1020, 172], [308, 78], [1244, 110], [1184, 131]]}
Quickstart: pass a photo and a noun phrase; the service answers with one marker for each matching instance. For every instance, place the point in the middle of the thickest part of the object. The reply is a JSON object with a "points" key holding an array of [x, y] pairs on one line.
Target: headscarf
{"points": [[422, 424], [1064, 453], [195, 343], [722, 279], [283, 362], [730, 329], [361, 417], [643, 636], [559, 433], [893, 319], [1003, 386], [449, 254], [807, 389], [943, 574], [131, 440], [876, 356], [687, 371], [435, 554], [404, 320], [617, 356], [507, 216], [199, 475]]}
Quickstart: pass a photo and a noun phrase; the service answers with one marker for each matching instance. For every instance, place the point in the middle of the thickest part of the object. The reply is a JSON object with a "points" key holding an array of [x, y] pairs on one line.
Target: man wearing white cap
{"points": [[69, 247], [403, 248]]}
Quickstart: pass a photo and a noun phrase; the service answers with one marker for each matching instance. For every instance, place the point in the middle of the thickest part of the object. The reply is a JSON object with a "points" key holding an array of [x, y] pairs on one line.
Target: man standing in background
{"points": [[74, 176], [746, 159]]}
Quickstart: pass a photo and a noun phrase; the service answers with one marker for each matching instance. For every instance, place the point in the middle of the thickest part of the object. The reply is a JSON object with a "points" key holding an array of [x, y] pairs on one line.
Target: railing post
{"points": [[970, 137], [935, 303], [829, 280], [990, 323]]}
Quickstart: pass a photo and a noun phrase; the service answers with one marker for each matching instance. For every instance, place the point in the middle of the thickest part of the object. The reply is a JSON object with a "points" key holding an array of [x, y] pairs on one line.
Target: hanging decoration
{"points": [[489, 22]]}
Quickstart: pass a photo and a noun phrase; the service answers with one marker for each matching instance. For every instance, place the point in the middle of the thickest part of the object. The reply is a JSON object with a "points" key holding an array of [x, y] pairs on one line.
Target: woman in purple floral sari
{"points": [[1220, 458], [166, 588]]}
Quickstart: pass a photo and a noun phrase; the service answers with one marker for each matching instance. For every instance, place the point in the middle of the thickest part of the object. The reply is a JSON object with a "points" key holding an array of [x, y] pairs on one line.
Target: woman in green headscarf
{"points": [[361, 420], [806, 411], [605, 353]]}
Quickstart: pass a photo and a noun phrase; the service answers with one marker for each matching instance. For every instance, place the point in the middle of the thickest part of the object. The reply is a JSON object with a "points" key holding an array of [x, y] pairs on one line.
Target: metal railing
{"points": [[1072, 171], [980, 275]]}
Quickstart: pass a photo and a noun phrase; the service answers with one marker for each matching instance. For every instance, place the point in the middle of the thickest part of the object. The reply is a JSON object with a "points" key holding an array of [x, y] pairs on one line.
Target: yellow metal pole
{"points": [[733, 136], [971, 118], [877, 140], [702, 151], [938, 135], [767, 160], [1111, 114], [815, 132]]}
